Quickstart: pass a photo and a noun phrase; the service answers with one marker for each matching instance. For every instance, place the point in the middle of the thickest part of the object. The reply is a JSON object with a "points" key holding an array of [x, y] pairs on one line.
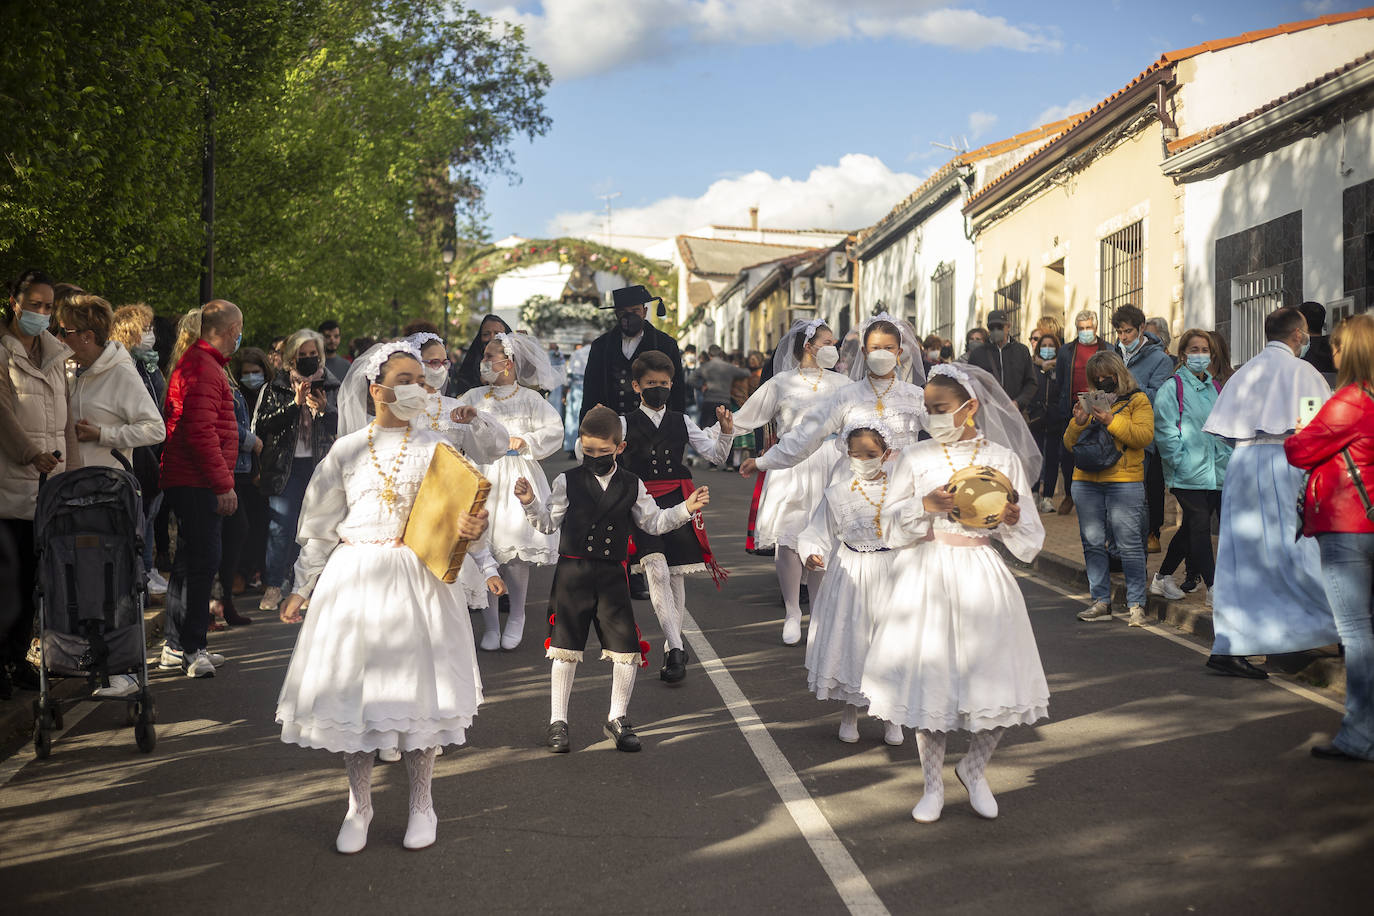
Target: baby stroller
{"points": [[88, 533]]}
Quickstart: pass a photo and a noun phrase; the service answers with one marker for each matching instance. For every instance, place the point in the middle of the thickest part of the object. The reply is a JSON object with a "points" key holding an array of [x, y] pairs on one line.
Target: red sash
{"points": [[749, 544], [657, 488]]}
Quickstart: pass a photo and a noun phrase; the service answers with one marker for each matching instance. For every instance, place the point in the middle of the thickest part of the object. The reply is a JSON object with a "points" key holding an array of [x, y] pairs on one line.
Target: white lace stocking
{"points": [[789, 567], [931, 747], [517, 579], [622, 685], [980, 750], [420, 769], [359, 769], [661, 595], [561, 689]]}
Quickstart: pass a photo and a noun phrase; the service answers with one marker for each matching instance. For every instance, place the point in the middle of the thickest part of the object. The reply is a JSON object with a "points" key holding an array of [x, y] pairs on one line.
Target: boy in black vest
{"points": [[596, 505], [656, 440]]}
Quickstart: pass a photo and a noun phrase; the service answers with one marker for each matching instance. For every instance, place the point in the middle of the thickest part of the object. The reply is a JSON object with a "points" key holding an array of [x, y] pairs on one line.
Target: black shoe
{"points": [[1331, 752], [805, 595], [620, 731], [639, 586], [1236, 666], [674, 666], [764, 551], [1190, 584], [235, 619], [557, 737], [503, 604]]}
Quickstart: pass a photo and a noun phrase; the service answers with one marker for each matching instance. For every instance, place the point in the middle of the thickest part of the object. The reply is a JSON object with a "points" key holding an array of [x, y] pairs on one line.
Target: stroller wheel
{"points": [[145, 736], [42, 743]]}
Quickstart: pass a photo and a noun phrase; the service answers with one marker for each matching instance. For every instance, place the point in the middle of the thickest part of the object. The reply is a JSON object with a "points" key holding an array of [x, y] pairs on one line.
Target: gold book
{"points": [[452, 486]]}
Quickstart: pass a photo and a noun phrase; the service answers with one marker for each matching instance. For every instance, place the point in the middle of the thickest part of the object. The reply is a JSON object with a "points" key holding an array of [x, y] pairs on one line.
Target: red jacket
{"points": [[1332, 502], [202, 433]]}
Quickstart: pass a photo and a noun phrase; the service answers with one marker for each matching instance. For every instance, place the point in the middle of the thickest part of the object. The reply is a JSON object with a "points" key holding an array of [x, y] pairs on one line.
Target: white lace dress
{"points": [[483, 440], [903, 410], [525, 415], [790, 494], [955, 650], [385, 658], [857, 588]]}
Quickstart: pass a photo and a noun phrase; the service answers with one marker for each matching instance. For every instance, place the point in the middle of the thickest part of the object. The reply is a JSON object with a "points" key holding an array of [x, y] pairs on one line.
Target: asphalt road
{"points": [[1154, 788]]}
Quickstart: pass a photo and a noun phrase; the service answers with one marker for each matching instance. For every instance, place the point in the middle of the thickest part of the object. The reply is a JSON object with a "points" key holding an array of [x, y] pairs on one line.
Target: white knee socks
{"points": [[664, 590], [790, 570], [622, 685], [849, 724], [561, 689], [517, 579], [931, 747], [423, 823], [353, 834]]}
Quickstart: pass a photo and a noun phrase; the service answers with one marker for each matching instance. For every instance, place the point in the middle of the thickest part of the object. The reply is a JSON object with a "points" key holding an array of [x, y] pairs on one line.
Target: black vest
{"points": [[622, 391], [598, 523], [656, 452]]}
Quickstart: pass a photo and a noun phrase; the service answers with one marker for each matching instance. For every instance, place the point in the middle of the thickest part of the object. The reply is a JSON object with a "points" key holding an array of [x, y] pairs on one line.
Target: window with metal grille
{"points": [[1253, 296], [1008, 299], [1122, 259], [942, 298]]}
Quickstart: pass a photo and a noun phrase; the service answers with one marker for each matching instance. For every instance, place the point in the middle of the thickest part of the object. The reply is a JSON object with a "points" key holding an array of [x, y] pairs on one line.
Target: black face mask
{"points": [[600, 465], [654, 398], [631, 324], [1106, 384], [307, 365]]}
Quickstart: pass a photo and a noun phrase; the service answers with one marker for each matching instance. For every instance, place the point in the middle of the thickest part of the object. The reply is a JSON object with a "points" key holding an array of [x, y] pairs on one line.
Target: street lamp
{"points": [[448, 254]]}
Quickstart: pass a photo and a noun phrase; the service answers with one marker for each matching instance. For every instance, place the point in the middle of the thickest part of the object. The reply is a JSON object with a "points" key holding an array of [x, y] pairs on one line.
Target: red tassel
{"points": [[551, 617], [548, 643]]}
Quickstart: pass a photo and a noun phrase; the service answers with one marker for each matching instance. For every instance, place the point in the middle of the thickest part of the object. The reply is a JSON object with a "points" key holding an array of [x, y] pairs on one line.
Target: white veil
{"points": [[910, 369], [532, 366], [352, 397], [784, 357], [998, 417]]}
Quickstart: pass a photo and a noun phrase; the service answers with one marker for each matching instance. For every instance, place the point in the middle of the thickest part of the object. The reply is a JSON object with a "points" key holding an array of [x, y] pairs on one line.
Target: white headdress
{"points": [[785, 357], [532, 366], [873, 423], [421, 339], [365, 369], [998, 417], [909, 368]]}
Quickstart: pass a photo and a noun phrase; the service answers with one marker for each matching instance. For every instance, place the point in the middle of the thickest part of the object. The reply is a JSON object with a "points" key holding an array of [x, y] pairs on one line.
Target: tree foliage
{"points": [[352, 137]]}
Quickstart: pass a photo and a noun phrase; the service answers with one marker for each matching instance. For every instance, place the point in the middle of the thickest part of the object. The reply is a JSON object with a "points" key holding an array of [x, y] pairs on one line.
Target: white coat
{"points": [[111, 395]]}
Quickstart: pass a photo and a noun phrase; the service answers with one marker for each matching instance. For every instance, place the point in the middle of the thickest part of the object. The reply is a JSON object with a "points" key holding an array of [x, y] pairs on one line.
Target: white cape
{"points": [[1262, 397]]}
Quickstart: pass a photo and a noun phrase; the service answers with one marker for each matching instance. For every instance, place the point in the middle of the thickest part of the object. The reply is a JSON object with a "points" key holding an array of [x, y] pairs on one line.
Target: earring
{"points": [[969, 421]]}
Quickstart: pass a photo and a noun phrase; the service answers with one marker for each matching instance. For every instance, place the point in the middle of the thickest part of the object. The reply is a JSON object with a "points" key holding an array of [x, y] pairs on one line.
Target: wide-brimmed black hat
{"points": [[628, 296]]}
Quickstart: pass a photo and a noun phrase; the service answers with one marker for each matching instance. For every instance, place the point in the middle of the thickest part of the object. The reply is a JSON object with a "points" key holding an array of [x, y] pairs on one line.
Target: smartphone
{"points": [[317, 386], [1307, 410]]}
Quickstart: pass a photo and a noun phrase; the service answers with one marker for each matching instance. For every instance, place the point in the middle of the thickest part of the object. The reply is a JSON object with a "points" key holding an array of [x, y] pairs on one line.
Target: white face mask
{"points": [[489, 374], [148, 341], [410, 400], [881, 362], [827, 356], [435, 378], [942, 427], [866, 468]]}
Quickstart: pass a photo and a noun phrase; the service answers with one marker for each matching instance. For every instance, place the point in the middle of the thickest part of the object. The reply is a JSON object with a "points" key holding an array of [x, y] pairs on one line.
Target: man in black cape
{"points": [[608, 379]]}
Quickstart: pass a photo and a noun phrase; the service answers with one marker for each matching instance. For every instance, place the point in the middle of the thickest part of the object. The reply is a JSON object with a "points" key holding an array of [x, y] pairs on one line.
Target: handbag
{"points": [[1096, 449]]}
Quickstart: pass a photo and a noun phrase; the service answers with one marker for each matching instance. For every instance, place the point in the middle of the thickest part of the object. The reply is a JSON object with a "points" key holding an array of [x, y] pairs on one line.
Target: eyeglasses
{"points": [[437, 363], [63, 332]]}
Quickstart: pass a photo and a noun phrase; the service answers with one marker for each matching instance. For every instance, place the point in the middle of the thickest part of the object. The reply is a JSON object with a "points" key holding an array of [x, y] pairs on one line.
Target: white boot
{"points": [[849, 724], [931, 747], [353, 834], [423, 824]]}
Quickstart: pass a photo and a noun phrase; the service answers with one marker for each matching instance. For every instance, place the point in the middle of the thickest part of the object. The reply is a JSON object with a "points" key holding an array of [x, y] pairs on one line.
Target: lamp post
{"points": [[448, 254]]}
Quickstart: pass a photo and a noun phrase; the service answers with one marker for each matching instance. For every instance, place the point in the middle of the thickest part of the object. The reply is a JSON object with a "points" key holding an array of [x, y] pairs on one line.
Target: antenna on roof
{"points": [[953, 145]]}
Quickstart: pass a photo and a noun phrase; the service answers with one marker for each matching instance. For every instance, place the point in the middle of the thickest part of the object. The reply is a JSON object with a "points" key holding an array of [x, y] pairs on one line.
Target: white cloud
{"points": [[1071, 107], [851, 194], [583, 37], [1199, 19], [1318, 7], [979, 122]]}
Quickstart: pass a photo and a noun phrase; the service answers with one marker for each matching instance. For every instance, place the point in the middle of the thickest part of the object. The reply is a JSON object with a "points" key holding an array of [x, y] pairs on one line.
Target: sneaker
{"points": [[271, 599], [1137, 618], [200, 665], [215, 658], [1190, 583], [121, 685], [156, 584], [1046, 507], [170, 658], [1165, 586], [1100, 611], [1152, 545]]}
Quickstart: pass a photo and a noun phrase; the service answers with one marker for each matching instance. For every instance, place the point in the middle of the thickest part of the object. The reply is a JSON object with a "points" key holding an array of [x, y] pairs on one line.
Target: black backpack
{"points": [[1096, 448]]}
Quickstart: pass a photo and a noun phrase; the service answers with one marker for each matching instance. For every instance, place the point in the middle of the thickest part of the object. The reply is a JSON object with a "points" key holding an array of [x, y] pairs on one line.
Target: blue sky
{"points": [[820, 112]]}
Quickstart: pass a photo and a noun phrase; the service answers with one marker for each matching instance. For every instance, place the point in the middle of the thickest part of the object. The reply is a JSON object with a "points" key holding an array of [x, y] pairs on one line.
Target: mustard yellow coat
{"points": [[1133, 428]]}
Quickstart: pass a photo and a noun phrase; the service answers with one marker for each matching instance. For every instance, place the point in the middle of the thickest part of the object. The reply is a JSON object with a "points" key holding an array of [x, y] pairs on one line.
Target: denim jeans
{"points": [[283, 516], [195, 559], [1117, 509], [1347, 573]]}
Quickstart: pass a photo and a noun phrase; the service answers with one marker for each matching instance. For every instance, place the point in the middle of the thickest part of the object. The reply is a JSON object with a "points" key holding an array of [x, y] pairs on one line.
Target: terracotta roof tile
{"points": [[1168, 59], [726, 257]]}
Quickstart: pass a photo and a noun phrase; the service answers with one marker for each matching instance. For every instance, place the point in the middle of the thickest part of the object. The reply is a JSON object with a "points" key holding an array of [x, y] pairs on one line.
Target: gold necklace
{"points": [[491, 393], [973, 459], [892, 381], [433, 418], [857, 486], [820, 374], [389, 495]]}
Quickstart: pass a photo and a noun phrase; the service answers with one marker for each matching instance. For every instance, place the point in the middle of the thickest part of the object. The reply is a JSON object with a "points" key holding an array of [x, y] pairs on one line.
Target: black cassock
{"points": [[608, 380]]}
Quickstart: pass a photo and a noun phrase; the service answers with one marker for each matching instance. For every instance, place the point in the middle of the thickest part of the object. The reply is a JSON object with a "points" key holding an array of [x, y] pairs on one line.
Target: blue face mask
{"points": [[33, 323], [252, 380], [1306, 345], [237, 341], [1047, 352], [1198, 362], [1086, 337], [1132, 347]]}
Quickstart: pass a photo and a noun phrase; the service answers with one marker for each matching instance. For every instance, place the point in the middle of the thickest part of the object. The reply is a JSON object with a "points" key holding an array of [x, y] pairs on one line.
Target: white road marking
{"points": [[1278, 679], [854, 890], [25, 755]]}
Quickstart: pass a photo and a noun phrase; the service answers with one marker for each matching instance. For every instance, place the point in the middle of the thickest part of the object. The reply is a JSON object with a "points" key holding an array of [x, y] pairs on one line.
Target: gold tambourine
{"points": [[980, 494], [452, 486]]}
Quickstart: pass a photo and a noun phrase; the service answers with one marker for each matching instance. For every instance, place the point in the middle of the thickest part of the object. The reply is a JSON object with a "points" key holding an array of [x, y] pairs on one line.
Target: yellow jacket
{"points": [[1133, 428]]}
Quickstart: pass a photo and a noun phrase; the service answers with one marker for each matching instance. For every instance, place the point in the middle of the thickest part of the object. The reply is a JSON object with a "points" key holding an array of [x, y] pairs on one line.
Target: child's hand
{"points": [[748, 467], [726, 419], [698, 500], [470, 527], [516, 443], [1011, 513], [463, 414], [938, 501], [524, 492], [815, 561], [496, 586]]}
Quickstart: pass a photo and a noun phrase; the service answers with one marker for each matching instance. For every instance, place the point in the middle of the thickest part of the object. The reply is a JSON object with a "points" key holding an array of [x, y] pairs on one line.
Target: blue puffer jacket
{"points": [[244, 463], [1193, 460], [1150, 365]]}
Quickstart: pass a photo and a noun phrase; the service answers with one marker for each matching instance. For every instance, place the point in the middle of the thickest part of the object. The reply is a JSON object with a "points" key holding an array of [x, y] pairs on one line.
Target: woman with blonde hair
{"points": [[1108, 444], [132, 328], [1337, 449]]}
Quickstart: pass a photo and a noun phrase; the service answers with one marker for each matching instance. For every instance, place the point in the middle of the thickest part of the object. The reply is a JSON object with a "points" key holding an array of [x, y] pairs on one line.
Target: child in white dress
{"points": [[514, 365], [474, 432], [385, 658], [955, 651], [846, 538]]}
